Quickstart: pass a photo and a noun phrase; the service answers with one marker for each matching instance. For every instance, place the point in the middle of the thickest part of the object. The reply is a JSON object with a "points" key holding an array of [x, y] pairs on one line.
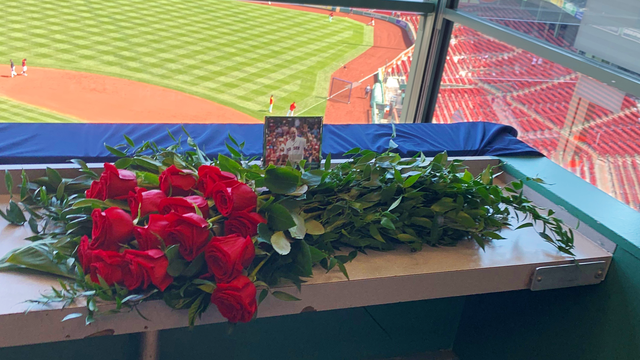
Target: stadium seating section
{"points": [[487, 80]]}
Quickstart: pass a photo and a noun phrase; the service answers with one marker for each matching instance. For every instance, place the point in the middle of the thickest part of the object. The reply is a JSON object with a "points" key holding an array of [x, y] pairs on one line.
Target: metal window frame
{"points": [[418, 69], [423, 6], [437, 56]]}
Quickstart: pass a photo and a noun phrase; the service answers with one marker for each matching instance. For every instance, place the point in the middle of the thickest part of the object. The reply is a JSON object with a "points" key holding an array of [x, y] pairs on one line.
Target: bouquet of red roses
{"points": [[209, 216]]}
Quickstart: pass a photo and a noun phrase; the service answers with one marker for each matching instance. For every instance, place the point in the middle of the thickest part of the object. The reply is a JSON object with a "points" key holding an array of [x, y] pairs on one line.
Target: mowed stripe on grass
{"points": [[230, 52], [14, 111]]}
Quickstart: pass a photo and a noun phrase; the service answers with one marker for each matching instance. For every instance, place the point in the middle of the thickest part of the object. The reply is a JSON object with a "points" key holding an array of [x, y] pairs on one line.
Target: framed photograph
{"points": [[292, 139]]}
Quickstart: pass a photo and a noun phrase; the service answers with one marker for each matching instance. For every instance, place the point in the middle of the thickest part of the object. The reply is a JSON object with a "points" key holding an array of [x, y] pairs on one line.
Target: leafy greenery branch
{"points": [[370, 201]]}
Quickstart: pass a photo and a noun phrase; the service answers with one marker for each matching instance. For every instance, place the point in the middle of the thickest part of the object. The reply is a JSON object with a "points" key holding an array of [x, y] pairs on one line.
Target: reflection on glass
{"points": [[221, 61], [586, 126], [605, 30]]}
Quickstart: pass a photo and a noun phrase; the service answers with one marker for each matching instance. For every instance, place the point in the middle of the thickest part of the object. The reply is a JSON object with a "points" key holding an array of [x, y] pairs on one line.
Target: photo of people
{"points": [[291, 139]]}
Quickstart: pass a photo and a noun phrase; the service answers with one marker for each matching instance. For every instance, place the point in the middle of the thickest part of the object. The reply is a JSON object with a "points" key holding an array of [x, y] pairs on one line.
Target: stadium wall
{"points": [[403, 24]]}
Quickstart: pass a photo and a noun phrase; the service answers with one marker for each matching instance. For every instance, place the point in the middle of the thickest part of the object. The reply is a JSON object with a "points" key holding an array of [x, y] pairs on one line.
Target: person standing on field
{"points": [[24, 67], [330, 17], [271, 103], [13, 68], [291, 109]]}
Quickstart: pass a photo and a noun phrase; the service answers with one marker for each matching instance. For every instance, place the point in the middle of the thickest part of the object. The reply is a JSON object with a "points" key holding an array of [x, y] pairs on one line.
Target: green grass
{"points": [[14, 111], [233, 53]]}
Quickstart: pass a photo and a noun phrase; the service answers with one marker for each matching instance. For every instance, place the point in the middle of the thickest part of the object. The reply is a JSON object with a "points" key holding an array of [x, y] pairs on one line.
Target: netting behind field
{"points": [[340, 90]]}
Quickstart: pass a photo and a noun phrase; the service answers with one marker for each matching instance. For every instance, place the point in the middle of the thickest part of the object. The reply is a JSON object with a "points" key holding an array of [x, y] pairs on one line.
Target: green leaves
{"points": [[314, 227], [366, 158], [299, 230], [284, 296], [71, 316], [115, 151], [13, 214], [411, 180], [280, 243], [281, 180], [387, 223], [327, 163], [38, 256], [279, 218], [8, 180], [444, 205], [465, 220], [229, 165], [395, 204], [176, 263], [313, 177], [303, 259]]}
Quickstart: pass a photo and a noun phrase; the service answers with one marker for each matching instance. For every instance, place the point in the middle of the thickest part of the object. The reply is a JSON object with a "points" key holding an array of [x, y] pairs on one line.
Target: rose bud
{"points": [[113, 184], [239, 197], [190, 231], [111, 228], [111, 266], [151, 236], [147, 267], [210, 175], [85, 256], [243, 223], [176, 182], [184, 205], [227, 256], [236, 300], [145, 201]]}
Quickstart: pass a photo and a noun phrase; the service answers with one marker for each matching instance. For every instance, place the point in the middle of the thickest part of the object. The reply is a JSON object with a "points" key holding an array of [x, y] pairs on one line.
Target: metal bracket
{"points": [[562, 276]]}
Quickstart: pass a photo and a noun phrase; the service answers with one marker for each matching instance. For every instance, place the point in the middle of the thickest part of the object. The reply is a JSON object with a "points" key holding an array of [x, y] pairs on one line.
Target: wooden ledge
{"points": [[376, 278]]}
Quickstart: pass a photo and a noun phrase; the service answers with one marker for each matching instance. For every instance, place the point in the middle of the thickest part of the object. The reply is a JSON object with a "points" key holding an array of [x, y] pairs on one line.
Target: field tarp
{"points": [[55, 143]]}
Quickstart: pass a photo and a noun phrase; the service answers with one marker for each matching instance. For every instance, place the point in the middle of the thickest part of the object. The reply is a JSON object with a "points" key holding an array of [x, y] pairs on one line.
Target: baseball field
{"points": [[226, 52]]}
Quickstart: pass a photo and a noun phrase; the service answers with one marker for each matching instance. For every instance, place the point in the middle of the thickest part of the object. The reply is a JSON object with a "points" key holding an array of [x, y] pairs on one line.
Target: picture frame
{"points": [[292, 139]]}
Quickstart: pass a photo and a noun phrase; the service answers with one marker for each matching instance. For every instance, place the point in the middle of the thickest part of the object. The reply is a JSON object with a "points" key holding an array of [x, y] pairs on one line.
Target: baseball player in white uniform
{"points": [[295, 146], [13, 68]]}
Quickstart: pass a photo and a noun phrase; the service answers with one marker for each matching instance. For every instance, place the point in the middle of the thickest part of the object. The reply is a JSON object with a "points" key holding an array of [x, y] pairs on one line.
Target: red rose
{"points": [[176, 182], [221, 197], [243, 223], [112, 266], [113, 184], [190, 231], [146, 201], [149, 237], [236, 300], [210, 175], [85, 256], [147, 267], [96, 191], [111, 228], [238, 197], [227, 256], [184, 205]]}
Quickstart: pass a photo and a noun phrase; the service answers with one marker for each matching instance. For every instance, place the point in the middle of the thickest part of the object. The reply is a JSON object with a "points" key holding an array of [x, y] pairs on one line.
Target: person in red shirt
{"points": [[372, 22], [291, 109], [24, 67], [330, 17], [271, 103]]}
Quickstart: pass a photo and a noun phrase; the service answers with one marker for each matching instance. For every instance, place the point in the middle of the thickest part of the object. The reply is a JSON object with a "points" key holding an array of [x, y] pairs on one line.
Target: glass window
{"points": [[220, 61], [604, 30], [589, 128]]}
